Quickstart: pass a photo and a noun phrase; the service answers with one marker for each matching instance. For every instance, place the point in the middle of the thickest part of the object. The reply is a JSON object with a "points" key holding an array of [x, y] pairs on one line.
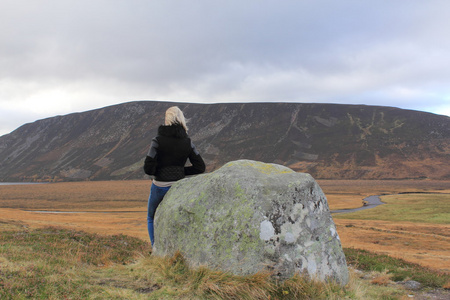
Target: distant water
{"points": [[372, 201], [21, 183]]}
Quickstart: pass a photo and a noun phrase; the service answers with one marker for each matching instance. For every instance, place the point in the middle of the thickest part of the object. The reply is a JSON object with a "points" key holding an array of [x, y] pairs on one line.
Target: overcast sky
{"points": [[58, 56]]}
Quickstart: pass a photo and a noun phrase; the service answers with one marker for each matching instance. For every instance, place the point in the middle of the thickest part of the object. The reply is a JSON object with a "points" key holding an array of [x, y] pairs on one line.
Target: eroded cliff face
{"points": [[325, 140]]}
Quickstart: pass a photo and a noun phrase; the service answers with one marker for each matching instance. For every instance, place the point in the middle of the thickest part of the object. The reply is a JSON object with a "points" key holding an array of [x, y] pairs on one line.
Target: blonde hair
{"points": [[174, 115]]}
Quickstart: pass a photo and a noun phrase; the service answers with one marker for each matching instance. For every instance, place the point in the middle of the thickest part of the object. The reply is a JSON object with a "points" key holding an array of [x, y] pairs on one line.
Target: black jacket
{"points": [[168, 154]]}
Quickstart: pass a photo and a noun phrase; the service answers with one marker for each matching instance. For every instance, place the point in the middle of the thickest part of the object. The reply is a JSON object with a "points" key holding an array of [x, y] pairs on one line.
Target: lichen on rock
{"points": [[250, 216]]}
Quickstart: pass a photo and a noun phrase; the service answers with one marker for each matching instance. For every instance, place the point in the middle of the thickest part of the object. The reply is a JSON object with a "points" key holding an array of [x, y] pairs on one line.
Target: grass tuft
{"points": [[383, 278], [397, 269], [175, 276]]}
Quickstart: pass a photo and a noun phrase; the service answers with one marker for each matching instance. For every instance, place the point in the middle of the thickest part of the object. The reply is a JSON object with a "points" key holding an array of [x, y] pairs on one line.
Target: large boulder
{"points": [[250, 216]]}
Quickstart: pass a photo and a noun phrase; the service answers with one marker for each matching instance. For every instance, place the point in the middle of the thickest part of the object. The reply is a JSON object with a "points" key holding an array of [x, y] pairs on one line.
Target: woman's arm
{"points": [[198, 165], [150, 161]]}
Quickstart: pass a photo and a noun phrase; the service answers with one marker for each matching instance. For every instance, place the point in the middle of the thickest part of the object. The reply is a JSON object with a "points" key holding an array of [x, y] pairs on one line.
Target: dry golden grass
{"points": [[82, 196], [424, 244], [132, 224], [382, 279], [126, 201]]}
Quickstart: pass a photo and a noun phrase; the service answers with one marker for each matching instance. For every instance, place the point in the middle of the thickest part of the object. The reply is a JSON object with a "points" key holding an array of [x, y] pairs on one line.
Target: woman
{"points": [[166, 160]]}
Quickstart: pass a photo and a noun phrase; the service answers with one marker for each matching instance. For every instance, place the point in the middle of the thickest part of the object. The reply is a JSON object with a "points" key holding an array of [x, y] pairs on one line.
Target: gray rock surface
{"points": [[250, 216], [411, 285]]}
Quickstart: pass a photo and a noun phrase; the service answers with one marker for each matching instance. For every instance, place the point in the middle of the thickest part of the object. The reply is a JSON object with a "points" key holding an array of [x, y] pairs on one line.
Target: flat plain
{"points": [[414, 224]]}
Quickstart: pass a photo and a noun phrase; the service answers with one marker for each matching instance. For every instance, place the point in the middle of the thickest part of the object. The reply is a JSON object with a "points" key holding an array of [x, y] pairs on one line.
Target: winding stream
{"points": [[372, 201]]}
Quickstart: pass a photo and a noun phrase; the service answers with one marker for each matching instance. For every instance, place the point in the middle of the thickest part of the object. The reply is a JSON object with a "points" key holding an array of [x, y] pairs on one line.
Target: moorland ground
{"points": [[56, 263], [414, 224]]}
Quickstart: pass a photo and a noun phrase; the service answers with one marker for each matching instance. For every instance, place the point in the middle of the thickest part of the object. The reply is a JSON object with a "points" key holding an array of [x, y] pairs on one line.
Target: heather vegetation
{"points": [[398, 269], [56, 263], [41, 262]]}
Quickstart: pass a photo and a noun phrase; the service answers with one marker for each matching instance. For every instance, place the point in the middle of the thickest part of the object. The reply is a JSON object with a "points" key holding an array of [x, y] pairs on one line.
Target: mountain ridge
{"points": [[333, 141]]}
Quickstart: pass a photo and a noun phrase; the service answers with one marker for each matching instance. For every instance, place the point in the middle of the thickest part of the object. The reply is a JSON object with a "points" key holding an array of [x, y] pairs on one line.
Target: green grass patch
{"points": [[58, 263], [420, 208], [61, 247], [55, 263], [398, 268]]}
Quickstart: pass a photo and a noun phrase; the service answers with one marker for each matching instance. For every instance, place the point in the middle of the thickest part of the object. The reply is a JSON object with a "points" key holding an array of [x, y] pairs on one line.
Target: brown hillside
{"points": [[326, 140]]}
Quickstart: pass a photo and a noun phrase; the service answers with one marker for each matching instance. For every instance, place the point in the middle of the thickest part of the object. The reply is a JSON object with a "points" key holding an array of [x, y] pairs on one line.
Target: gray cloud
{"points": [[89, 54]]}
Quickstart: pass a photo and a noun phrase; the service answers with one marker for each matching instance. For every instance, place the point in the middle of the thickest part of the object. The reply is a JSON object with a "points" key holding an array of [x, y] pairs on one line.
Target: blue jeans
{"points": [[156, 196]]}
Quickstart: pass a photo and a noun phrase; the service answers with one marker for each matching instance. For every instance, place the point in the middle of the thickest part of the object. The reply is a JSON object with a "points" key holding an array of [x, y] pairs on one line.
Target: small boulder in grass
{"points": [[250, 216], [412, 285]]}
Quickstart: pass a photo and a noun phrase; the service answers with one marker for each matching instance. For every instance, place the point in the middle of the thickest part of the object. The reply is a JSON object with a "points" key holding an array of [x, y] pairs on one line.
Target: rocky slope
{"points": [[325, 140]]}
